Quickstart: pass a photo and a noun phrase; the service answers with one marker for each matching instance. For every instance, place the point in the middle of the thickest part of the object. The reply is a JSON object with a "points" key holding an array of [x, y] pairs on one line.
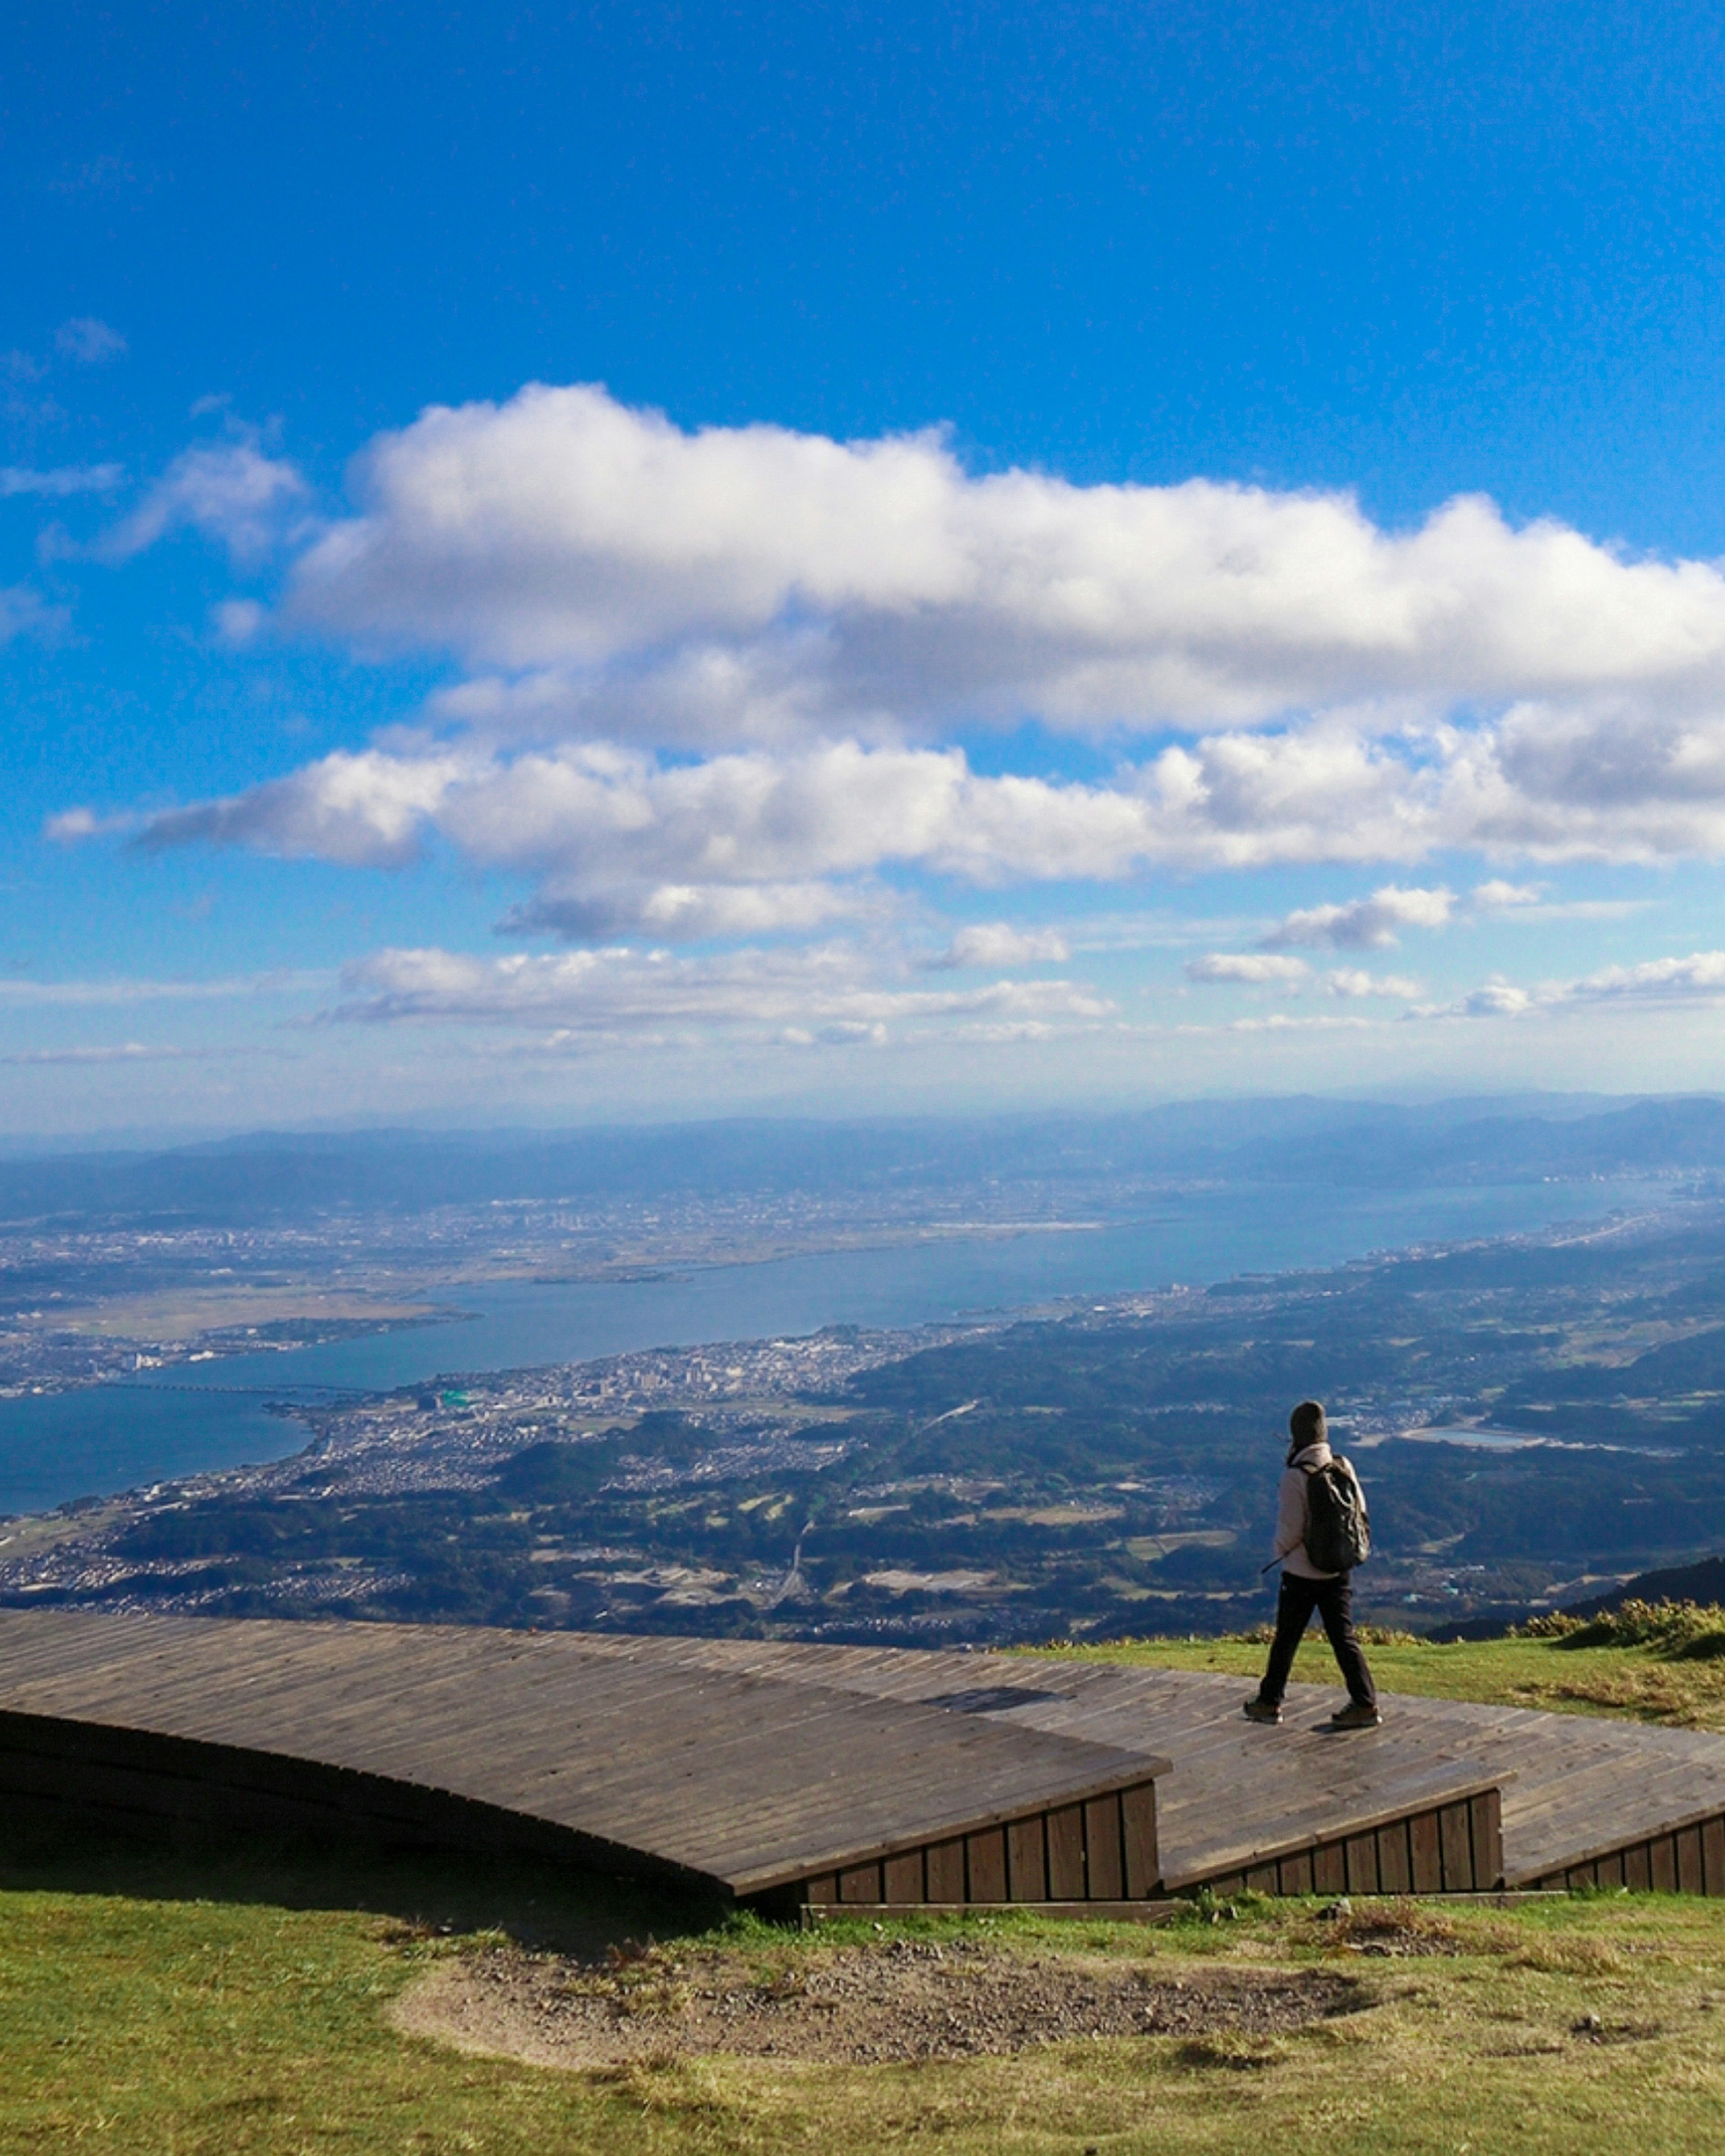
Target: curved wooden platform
{"points": [[835, 1775]]}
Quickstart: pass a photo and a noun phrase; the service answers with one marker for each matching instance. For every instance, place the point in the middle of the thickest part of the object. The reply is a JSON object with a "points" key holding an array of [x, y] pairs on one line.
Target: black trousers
{"points": [[1333, 1601]]}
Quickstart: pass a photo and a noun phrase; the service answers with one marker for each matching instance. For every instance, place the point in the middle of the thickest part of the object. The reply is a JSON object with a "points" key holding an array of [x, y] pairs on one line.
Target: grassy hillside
{"points": [[1665, 1664], [241, 2007]]}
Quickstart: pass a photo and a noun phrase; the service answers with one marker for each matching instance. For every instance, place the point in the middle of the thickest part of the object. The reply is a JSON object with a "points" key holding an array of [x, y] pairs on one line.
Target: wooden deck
{"points": [[1583, 1798], [741, 1779], [837, 1775]]}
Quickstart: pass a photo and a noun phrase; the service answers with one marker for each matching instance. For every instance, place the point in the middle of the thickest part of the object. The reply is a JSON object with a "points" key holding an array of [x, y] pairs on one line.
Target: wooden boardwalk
{"points": [[836, 1774], [1583, 1799], [739, 1779]]}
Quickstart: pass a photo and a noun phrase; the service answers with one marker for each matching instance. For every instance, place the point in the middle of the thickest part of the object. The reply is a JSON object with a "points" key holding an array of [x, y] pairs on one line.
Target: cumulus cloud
{"points": [[1699, 978], [227, 491], [1363, 923], [563, 531], [1497, 896], [828, 991], [1350, 981], [1256, 967], [998, 943]]}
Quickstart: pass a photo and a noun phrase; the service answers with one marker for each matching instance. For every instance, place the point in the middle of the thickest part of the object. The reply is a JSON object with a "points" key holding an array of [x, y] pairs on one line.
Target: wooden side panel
{"points": [[946, 1871], [862, 1883], [1662, 1865], [1712, 1855], [985, 1865], [1262, 1879], [1689, 1878], [1329, 1869], [1105, 1878], [1026, 1860], [822, 1890], [1143, 1860], [1609, 1869], [904, 1877], [1637, 1869], [1066, 1854], [1396, 1871], [1294, 1874], [1455, 1849], [1362, 1863], [1428, 1857], [1486, 1826]]}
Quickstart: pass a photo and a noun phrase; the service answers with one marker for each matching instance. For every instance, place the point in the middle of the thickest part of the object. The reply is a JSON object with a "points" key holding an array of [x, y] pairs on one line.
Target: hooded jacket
{"points": [[1290, 1511]]}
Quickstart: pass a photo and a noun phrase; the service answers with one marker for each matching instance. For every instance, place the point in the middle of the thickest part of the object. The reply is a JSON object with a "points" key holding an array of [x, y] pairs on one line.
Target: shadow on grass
{"points": [[538, 1905]]}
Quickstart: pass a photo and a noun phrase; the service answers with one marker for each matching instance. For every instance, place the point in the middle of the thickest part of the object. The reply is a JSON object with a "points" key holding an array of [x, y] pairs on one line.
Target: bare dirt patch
{"points": [[906, 2000]]}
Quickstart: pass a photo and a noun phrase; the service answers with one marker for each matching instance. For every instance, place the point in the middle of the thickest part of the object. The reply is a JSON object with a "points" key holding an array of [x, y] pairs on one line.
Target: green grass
{"points": [[1650, 1683], [177, 2009]]}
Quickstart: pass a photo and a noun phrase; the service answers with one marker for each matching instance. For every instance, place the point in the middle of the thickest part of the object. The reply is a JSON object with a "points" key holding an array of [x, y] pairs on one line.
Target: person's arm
{"points": [[1291, 1512]]}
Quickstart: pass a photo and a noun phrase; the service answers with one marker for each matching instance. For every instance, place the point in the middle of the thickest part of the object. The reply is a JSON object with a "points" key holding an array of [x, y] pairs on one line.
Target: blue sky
{"points": [[657, 560]]}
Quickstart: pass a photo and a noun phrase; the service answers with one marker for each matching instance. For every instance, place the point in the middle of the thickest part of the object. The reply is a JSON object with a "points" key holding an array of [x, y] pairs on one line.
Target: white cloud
{"points": [[826, 992], [88, 340], [1698, 978], [564, 531], [1497, 896], [227, 491], [1363, 923], [62, 481], [1256, 967], [997, 943], [1349, 981]]}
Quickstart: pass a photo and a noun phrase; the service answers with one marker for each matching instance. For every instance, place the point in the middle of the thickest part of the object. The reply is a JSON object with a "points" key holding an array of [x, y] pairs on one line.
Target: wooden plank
{"points": [[1261, 1879], [1485, 1821], [1428, 1853], [1713, 1854], [985, 1865], [945, 1862], [1065, 1854], [1396, 1871], [903, 1878], [1638, 1869], [1691, 1877], [1026, 1860], [1456, 1849], [1329, 1868], [1609, 1869], [1294, 1874], [1362, 1849], [1104, 1865], [862, 1883], [1662, 1865], [824, 1887], [1137, 1819]]}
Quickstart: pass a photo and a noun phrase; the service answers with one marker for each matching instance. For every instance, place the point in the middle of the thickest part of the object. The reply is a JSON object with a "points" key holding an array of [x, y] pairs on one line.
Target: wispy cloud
{"points": [[831, 993], [227, 491], [1363, 924], [135, 989], [88, 341], [61, 481]]}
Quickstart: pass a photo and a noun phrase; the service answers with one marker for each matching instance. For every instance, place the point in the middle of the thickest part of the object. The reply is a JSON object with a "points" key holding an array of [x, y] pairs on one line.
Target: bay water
{"points": [[103, 1438]]}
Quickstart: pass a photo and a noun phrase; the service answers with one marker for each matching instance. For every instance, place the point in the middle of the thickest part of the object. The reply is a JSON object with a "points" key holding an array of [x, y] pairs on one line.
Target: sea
{"points": [[100, 1439]]}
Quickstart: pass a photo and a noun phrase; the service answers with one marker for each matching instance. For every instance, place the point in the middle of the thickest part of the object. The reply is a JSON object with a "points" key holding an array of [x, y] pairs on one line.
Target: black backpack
{"points": [[1338, 1534]]}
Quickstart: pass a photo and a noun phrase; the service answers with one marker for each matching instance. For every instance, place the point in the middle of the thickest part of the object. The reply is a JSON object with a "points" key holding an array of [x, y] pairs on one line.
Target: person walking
{"points": [[1306, 1588]]}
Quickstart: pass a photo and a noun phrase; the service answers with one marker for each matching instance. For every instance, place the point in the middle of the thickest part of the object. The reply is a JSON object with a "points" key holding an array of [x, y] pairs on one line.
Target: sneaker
{"points": [[1261, 1710], [1357, 1714]]}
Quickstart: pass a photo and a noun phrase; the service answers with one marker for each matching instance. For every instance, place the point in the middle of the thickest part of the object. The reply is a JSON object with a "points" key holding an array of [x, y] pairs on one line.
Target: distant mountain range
{"points": [[271, 1176]]}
